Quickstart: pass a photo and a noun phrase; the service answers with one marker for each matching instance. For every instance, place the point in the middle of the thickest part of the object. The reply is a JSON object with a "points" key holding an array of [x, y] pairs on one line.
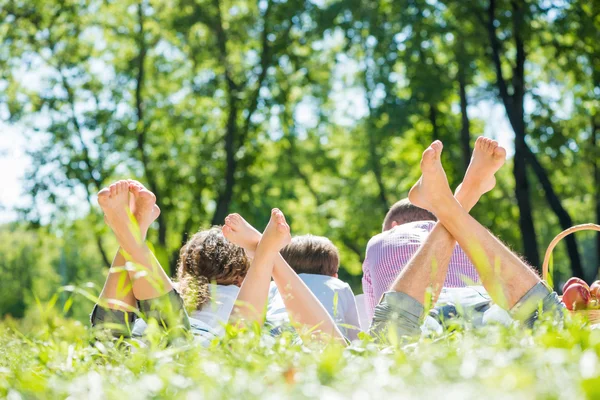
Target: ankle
{"points": [[466, 197]]}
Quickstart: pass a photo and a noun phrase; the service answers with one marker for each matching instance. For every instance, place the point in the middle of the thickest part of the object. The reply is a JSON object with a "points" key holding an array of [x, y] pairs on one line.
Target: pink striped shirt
{"points": [[390, 251]]}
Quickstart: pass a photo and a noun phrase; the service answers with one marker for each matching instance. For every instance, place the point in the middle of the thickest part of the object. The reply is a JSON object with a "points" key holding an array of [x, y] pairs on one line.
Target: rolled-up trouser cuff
{"points": [[539, 297], [118, 322], [400, 312]]}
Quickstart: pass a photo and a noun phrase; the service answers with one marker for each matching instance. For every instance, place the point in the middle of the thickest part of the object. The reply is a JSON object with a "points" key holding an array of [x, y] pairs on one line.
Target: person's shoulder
{"points": [[333, 282], [316, 278], [376, 240], [413, 226], [227, 290]]}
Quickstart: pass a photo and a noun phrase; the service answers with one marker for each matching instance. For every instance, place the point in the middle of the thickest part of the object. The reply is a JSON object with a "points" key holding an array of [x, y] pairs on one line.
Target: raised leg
{"points": [[149, 280], [301, 304], [426, 271], [254, 291], [117, 293], [504, 275]]}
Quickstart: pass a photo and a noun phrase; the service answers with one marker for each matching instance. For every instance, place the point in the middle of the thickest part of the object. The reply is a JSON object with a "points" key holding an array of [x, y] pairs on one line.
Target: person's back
{"points": [[216, 312], [334, 294], [405, 228], [316, 260]]}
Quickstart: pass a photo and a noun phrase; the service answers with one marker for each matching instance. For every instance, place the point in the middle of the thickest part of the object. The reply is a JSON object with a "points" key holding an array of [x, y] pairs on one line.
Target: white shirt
{"points": [[216, 313], [335, 295]]}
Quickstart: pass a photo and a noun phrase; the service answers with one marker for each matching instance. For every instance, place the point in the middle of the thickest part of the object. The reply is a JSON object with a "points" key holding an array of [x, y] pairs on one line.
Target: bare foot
{"points": [[487, 159], [277, 233], [114, 201], [239, 232], [433, 184], [142, 203]]}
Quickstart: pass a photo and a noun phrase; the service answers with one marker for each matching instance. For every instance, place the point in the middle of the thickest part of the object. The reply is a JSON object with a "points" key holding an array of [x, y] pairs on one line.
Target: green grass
{"points": [[48, 356]]}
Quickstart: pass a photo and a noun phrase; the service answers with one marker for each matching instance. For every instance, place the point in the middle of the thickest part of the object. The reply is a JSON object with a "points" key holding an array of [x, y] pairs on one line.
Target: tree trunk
{"points": [[465, 131], [514, 110], [596, 169], [433, 114], [530, 249], [224, 199], [563, 217], [100, 245], [141, 124], [519, 89], [376, 167]]}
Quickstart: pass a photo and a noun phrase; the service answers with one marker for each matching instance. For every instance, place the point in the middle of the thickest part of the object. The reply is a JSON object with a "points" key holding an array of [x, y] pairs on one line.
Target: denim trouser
{"points": [[168, 310], [472, 303]]}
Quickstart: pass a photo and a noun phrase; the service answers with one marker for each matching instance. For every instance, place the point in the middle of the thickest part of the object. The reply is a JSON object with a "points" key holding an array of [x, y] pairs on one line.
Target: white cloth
{"points": [[216, 313], [363, 317], [335, 295]]}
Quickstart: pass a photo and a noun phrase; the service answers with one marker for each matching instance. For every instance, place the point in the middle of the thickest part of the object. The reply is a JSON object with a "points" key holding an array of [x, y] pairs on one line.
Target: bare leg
{"points": [[254, 291], [428, 267], [504, 275], [118, 290], [301, 304], [150, 281]]}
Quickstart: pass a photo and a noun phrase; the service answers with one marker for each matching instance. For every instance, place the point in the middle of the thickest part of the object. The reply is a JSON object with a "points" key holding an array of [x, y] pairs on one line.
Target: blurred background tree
{"points": [[321, 108]]}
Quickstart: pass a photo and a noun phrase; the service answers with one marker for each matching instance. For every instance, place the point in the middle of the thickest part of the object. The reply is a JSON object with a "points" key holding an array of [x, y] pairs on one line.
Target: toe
{"points": [[123, 186], [484, 143], [480, 141], [280, 217], [437, 145], [134, 186], [226, 231], [500, 153], [103, 195], [135, 189], [113, 189], [428, 155], [234, 219]]}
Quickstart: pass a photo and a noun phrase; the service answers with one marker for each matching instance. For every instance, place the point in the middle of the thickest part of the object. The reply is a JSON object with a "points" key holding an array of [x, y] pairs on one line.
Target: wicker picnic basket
{"points": [[592, 315]]}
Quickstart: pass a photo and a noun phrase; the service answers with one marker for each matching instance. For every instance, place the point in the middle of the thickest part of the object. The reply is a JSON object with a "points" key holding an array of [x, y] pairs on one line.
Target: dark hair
{"points": [[404, 212], [310, 254], [209, 257]]}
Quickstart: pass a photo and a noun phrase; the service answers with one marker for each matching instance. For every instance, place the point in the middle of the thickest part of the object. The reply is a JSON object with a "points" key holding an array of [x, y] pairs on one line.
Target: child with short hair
{"points": [[316, 260]]}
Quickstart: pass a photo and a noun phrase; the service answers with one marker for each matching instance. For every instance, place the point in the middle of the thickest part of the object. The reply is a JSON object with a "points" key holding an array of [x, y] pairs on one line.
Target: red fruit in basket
{"points": [[575, 280], [595, 289], [576, 297]]}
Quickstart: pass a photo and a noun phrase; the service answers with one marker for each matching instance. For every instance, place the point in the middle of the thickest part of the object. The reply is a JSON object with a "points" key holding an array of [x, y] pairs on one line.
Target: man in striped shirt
{"points": [[509, 285], [405, 229]]}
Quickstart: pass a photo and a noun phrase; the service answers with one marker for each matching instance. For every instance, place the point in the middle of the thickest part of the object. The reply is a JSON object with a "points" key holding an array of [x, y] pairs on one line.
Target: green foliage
{"points": [[48, 356], [33, 264], [319, 108]]}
